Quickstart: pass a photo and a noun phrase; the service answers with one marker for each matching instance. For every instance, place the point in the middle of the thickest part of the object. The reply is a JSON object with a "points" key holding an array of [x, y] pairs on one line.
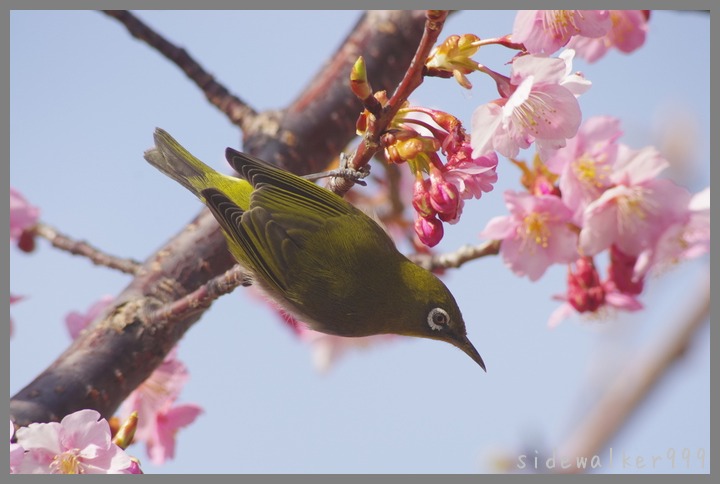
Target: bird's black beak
{"points": [[464, 344]]}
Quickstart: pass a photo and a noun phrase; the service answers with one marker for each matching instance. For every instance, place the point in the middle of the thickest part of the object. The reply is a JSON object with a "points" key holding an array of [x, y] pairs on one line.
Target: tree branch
{"points": [[201, 298], [237, 111], [79, 247], [466, 253]]}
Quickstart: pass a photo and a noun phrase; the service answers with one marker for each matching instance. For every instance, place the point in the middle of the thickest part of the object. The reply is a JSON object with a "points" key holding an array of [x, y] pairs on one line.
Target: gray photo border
{"points": [[325, 4]]}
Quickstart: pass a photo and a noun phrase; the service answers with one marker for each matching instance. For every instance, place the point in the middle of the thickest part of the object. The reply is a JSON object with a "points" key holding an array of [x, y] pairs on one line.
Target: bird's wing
{"points": [[289, 190], [250, 239], [284, 211]]}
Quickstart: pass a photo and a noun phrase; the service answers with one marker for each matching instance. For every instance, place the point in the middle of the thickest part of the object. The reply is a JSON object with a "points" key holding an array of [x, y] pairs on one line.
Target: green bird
{"points": [[317, 256]]}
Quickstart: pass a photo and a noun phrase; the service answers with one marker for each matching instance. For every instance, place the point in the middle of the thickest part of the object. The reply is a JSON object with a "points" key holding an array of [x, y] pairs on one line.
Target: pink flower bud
{"points": [[444, 196], [429, 230], [26, 241], [421, 199], [585, 292], [622, 270], [23, 217]]}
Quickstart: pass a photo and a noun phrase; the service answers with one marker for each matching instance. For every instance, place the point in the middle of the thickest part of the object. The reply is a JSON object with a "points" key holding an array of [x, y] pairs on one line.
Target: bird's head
{"points": [[432, 312]]}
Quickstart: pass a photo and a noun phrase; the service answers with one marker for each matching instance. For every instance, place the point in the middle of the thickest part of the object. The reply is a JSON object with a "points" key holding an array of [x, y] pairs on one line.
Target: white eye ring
{"points": [[438, 318]]}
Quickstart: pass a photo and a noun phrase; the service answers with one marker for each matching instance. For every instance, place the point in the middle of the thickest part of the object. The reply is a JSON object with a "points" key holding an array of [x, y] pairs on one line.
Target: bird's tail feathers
{"points": [[171, 158]]}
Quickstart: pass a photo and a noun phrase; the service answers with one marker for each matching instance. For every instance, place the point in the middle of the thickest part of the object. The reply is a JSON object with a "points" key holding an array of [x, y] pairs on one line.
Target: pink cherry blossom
{"points": [[535, 235], [614, 300], [472, 176], [586, 163], [76, 322], [158, 419], [17, 453], [627, 33], [680, 241], [165, 425], [541, 108], [545, 31], [23, 215], [79, 444], [637, 210]]}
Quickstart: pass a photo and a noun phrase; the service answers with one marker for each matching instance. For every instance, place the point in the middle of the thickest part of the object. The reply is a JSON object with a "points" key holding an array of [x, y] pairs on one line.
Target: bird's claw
{"points": [[344, 171]]}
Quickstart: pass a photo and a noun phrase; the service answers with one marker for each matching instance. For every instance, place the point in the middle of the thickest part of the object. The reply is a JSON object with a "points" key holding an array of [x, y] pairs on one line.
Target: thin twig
{"points": [[80, 247], [202, 297], [237, 110], [415, 73], [435, 19], [466, 253], [628, 390]]}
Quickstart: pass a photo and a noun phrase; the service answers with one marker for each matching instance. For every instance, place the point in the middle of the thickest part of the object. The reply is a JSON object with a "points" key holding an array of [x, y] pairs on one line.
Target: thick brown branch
{"points": [[80, 247], [234, 108], [117, 353], [466, 253]]}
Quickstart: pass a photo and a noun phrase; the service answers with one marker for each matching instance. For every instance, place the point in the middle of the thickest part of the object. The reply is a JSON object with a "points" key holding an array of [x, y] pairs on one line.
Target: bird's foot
{"points": [[344, 171]]}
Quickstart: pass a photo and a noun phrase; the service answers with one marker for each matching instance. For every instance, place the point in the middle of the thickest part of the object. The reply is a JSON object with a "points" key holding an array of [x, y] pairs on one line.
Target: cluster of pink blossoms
{"points": [[79, 444], [416, 137], [538, 104], [590, 32], [593, 195], [159, 416]]}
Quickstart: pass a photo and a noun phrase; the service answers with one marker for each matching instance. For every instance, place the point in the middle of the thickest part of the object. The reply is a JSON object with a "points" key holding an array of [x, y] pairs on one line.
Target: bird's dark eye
{"points": [[438, 318]]}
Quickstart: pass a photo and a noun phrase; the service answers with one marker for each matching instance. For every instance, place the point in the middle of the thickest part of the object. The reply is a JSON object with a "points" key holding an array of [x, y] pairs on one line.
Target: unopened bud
{"points": [[622, 272], [585, 292], [358, 80], [421, 199], [429, 230], [126, 432], [26, 242]]}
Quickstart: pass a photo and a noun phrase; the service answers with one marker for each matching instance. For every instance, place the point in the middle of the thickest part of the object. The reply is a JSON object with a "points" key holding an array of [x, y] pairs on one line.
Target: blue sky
{"points": [[85, 98]]}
